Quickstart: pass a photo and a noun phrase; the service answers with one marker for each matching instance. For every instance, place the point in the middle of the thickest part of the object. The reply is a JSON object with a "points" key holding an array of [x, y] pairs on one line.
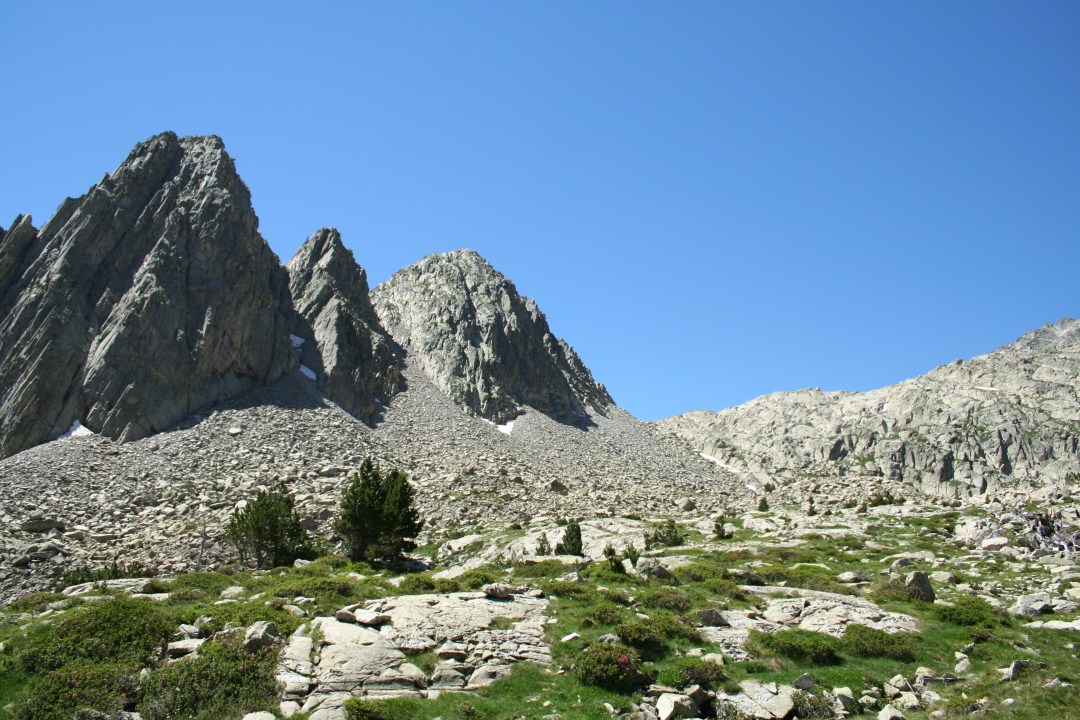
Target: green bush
{"points": [[378, 518], [60, 694], [565, 588], [642, 635], [666, 599], [357, 709], [542, 569], [113, 571], [870, 642], [225, 679], [896, 590], [477, 578], [971, 611], [801, 645], [267, 532], [418, 584], [809, 705], [614, 667], [619, 597], [605, 614], [120, 630], [35, 602], [326, 589], [692, 671], [571, 540], [668, 535]]}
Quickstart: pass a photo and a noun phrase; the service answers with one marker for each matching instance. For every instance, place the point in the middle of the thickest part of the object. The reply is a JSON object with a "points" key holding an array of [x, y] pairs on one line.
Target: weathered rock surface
{"points": [[140, 302], [1008, 418], [344, 344], [482, 344]]}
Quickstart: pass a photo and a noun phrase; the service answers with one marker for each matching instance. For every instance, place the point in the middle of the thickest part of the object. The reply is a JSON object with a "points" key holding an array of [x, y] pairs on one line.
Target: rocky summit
{"points": [[482, 344], [138, 303], [908, 552], [1007, 421]]}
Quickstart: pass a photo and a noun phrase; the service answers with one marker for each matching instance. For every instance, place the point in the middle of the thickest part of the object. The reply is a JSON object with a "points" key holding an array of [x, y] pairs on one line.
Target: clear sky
{"points": [[710, 200]]}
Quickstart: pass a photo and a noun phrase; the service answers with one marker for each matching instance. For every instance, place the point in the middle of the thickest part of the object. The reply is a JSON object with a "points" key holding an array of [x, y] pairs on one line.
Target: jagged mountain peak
{"points": [[482, 343], [1063, 333], [141, 301], [345, 346]]}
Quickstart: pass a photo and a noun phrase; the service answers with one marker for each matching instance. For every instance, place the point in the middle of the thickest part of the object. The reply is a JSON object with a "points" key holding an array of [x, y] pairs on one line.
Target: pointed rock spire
{"points": [[482, 344], [345, 345]]}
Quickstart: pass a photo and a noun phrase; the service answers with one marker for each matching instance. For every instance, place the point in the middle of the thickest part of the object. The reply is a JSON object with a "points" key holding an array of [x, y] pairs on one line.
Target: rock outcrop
{"points": [[344, 344], [1011, 417], [482, 344], [143, 300]]}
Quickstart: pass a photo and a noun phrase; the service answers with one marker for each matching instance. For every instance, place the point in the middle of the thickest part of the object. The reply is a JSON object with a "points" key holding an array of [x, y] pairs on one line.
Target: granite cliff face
{"points": [[345, 345], [143, 300], [482, 344], [1008, 419]]}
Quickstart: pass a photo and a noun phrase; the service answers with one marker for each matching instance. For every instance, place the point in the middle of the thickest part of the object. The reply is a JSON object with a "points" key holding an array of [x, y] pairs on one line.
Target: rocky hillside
{"points": [[136, 304], [482, 344], [222, 371], [1008, 419]]}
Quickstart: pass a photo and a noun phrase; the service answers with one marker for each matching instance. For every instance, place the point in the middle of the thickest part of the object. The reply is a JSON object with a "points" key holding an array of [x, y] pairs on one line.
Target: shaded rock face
{"points": [[345, 345], [964, 429], [482, 344], [136, 304]]}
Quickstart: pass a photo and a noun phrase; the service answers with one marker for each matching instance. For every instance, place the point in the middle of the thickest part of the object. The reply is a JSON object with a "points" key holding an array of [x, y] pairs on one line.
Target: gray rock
{"points": [[261, 634], [675, 705], [345, 345], [653, 569], [482, 344], [919, 584], [140, 302]]}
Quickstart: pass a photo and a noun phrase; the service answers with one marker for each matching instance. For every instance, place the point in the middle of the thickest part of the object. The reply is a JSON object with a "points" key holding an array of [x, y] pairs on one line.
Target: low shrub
{"points": [[725, 588], [802, 645], [666, 598], [619, 597], [692, 671], [667, 535], [971, 611], [60, 694], [542, 569], [870, 642], [35, 602], [897, 590], [642, 635], [605, 614], [115, 570], [477, 578], [120, 630], [225, 679], [419, 584], [614, 667], [565, 588], [809, 705], [357, 709]]}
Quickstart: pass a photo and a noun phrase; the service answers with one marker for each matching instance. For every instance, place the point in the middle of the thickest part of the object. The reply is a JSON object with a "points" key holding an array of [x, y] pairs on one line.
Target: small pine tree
{"points": [[377, 519], [667, 535], [571, 540], [632, 554], [763, 504], [543, 547], [719, 531], [267, 532]]}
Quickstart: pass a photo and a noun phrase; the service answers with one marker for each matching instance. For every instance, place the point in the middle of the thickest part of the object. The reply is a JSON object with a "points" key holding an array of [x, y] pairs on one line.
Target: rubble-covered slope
{"points": [[1010, 418]]}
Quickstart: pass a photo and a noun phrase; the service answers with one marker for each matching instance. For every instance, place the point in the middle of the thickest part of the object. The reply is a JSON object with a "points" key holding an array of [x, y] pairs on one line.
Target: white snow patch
{"points": [[297, 341], [507, 428], [308, 372], [76, 430], [711, 459], [991, 389]]}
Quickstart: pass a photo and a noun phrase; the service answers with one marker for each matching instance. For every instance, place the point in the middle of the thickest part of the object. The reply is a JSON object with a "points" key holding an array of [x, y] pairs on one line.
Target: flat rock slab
{"points": [[449, 617], [828, 613]]}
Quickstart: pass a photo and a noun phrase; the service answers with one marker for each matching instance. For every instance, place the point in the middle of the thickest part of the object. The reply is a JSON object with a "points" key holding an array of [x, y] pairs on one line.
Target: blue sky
{"points": [[710, 201]]}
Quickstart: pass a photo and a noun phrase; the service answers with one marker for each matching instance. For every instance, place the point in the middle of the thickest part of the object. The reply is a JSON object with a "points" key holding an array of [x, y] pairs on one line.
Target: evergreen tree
{"points": [[571, 540], [377, 519], [267, 532]]}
